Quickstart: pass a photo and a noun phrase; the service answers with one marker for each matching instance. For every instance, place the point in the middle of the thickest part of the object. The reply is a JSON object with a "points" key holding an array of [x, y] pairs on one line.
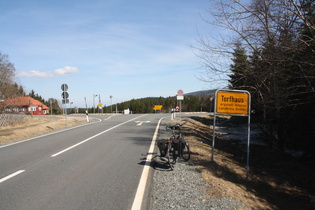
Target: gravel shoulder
{"points": [[183, 187]]}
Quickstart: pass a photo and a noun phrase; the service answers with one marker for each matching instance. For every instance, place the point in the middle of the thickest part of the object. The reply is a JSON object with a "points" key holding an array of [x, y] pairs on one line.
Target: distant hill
{"points": [[202, 93]]}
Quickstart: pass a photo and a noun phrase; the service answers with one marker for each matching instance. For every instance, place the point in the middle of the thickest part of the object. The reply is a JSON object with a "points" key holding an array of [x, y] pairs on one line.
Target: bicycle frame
{"points": [[177, 143]]}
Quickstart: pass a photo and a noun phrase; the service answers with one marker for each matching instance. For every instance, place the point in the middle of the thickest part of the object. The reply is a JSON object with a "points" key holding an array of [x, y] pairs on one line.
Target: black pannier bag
{"points": [[162, 146], [176, 143]]}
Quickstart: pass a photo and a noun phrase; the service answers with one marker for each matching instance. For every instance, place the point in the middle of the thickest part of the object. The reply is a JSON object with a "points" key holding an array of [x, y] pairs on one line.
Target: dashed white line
{"points": [[139, 123], [11, 175]]}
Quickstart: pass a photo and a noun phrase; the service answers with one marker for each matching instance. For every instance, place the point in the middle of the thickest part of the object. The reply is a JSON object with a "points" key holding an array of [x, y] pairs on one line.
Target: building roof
{"points": [[24, 101], [44, 107]]}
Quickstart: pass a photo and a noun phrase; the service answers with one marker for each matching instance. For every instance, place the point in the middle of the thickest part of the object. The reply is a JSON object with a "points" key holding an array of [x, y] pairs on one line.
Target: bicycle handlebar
{"points": [[175, 126]]}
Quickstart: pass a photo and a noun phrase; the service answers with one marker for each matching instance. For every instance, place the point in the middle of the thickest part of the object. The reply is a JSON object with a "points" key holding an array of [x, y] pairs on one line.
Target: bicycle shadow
{"points": [[160, 163], [156, 162]]}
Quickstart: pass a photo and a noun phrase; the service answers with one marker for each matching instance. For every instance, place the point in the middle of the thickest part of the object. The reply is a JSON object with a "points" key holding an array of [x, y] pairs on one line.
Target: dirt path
{"points": [[37, 125]]}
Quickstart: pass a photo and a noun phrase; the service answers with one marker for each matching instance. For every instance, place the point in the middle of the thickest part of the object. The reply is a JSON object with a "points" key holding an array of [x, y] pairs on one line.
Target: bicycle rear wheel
{"points": [[185, 151]]}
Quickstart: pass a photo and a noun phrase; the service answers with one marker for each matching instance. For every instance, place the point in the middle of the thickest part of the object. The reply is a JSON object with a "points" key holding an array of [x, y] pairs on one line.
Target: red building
{"points": [[24, 104]]}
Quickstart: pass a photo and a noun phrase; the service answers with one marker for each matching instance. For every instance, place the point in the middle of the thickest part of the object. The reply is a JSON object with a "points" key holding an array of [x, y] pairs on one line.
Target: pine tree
{"points": [[239, 68]]}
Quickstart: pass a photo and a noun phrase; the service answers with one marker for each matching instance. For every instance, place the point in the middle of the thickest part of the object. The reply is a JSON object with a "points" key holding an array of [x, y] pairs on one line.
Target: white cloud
{"points": [[34, 73], [66, 70], [57, 72]]}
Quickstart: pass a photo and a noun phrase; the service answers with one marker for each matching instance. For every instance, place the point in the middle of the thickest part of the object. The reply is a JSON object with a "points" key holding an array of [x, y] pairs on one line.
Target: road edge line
{"points": [[92, 137]]}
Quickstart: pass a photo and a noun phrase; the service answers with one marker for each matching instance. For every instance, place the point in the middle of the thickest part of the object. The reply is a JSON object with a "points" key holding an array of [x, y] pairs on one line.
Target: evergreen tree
{"points": [[239, 68]]}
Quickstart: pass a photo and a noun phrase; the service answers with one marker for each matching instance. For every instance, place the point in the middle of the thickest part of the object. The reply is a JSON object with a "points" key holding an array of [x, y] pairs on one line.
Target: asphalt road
{"points": [[96, 166]]}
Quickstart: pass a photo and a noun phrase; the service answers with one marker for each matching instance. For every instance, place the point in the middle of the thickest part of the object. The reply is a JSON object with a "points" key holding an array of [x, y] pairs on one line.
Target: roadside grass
{"points": [[33, 126]]}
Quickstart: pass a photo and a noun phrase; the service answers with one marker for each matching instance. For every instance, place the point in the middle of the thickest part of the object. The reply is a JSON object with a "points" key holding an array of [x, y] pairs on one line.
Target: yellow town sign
{"points": [[232, 103], [157, 107]]}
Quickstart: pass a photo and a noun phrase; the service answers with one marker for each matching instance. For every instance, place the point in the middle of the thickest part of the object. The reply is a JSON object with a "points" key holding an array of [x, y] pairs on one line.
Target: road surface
{"points": [[96, 166]]}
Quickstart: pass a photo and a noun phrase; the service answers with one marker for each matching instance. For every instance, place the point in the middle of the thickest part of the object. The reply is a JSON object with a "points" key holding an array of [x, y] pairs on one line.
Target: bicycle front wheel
{"points": [[185, 151]]}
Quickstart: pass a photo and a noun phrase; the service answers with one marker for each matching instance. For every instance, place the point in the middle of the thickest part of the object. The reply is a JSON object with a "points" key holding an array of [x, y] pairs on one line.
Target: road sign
{"points": [[177, 108], [100, 105], [157, 107], [65, 101], [235, 103], [64, 87], [180, 92], [65, 95], [180, 98]]}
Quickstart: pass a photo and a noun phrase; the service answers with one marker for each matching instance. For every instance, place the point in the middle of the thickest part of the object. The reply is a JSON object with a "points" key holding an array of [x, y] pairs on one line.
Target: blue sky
{"points": [[127, 49]]}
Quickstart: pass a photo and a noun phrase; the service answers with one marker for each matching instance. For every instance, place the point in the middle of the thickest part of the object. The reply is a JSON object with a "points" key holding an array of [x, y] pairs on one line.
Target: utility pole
{"points": [[94, 95], [111, 104]]}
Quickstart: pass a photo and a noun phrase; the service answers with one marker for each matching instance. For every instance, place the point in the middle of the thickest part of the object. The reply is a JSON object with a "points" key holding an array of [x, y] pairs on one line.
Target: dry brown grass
{"points": [[276, 180], [34, 126]]}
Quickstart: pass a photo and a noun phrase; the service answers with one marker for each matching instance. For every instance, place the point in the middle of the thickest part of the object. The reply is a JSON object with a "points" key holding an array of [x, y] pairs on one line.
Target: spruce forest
{"points": [[271, 44]]}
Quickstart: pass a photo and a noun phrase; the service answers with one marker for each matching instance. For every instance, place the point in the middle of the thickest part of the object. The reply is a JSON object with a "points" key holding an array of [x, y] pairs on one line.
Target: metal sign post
{"points": [[180, 97], [232, 103], [65, 100], [86, 111]]}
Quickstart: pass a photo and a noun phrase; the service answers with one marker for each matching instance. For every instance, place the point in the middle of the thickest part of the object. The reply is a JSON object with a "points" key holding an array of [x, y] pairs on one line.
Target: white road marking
{"points": [[92, 137], [11, 175], [108, 118], [137, 202], [141, 122]]}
